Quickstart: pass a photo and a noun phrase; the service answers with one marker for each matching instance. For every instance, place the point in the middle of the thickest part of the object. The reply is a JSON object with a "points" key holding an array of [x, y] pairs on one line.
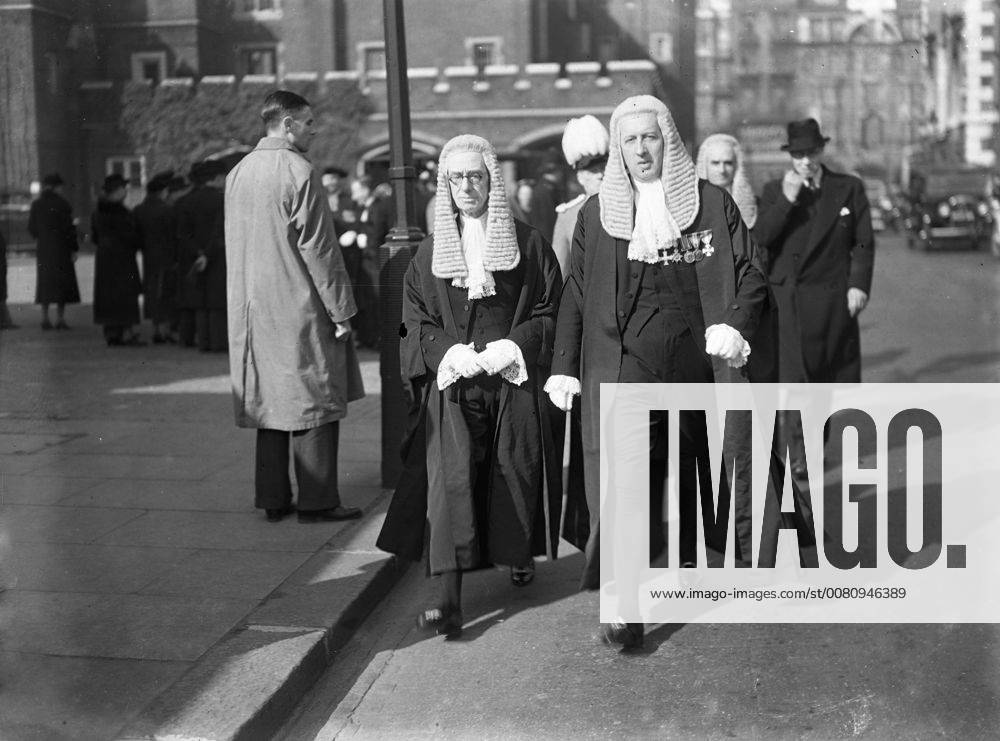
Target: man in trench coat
{"points": [[662, 287], [292, 363]]}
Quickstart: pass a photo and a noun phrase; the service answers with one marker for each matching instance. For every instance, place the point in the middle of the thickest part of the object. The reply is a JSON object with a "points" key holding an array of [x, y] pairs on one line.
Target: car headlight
{"points": [[944, 210]]}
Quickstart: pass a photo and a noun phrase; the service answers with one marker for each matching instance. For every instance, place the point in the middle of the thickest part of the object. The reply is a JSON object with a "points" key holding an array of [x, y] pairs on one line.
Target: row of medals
{"points": [[689, 248]]}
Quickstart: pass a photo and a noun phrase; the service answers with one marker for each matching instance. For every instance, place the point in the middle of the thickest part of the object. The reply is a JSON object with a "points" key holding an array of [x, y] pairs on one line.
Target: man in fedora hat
{"points": [[816, 229]]}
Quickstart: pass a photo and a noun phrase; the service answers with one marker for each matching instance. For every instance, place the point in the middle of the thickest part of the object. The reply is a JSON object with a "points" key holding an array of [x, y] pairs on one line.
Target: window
{"points": [[258, 60], [261, 9], [149, 66], [986, 81], [480, 52], [371, 57], [988, 31], [661, 47], [131, 167], [987, 56]]}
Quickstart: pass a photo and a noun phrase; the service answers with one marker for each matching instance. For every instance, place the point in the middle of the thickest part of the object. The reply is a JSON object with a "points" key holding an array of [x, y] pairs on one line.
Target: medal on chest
{"points": [[690, 248]]}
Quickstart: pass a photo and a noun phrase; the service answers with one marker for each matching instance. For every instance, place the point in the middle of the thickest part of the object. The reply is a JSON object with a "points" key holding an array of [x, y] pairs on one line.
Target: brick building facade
{"points": [[512, 70]]}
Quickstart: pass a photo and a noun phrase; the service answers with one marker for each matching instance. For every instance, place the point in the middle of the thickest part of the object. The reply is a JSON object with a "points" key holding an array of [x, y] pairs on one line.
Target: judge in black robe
{"points": [[478, 321]]}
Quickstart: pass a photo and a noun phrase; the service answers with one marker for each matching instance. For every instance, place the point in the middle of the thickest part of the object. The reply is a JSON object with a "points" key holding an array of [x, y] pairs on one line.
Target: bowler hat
{"points": [[113, 182], [52, 179], [804, 135]]}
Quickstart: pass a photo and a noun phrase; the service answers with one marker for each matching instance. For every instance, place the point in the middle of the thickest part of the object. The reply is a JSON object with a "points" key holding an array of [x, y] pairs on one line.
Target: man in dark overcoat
{"points": [[51, 223], [201, 248], [816, 228], [662, 287], [479, 309], [154, 218], [117, 285]]}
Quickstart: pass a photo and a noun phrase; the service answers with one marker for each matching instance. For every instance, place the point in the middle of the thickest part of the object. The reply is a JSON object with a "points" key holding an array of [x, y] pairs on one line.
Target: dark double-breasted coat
{"points": [[157, 229], [200, 216], [528, 513], [116, 271], [50, 222], [726, 288], [815, 252]]}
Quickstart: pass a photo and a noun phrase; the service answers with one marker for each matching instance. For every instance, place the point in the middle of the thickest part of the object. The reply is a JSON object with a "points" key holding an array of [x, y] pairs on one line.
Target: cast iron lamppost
{"points": [[401, 242]]}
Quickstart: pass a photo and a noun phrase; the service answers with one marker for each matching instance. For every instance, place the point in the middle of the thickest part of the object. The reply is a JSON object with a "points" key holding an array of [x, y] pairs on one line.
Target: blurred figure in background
{"points": [[720, 162], [376, 220], [51, 223], [116, 272], [520, 200], [202, 259], [6, 322], [154, 218], [585, 145], [548, 192]]}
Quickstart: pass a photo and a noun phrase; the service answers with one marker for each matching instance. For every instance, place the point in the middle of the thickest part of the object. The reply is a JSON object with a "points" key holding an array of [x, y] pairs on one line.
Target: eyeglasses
{"points": [[475, 177]]}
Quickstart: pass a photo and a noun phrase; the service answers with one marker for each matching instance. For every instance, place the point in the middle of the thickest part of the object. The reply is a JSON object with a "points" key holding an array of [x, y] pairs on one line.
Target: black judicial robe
{"points": [[522, 450]]}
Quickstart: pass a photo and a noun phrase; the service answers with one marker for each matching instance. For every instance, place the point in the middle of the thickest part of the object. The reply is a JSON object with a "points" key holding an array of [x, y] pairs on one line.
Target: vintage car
{"points": [[879, 203], [951, 210]]}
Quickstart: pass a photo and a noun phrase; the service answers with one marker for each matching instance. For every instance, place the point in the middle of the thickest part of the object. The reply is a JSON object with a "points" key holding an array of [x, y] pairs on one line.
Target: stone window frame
{"points": [[257, 13], [140, 58], [242, 48], [126, 161], [363, 47], [470, 46], [656, 41]]}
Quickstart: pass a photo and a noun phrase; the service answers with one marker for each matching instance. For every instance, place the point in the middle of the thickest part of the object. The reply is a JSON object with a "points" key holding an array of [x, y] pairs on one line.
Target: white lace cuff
{"points": [[565, 384], [447, 372], [505, 357]]}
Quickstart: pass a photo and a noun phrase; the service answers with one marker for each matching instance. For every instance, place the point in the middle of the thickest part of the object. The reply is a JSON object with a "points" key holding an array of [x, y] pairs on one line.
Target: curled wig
{"points": [[741, 189], [501, 251], [680, 184]]}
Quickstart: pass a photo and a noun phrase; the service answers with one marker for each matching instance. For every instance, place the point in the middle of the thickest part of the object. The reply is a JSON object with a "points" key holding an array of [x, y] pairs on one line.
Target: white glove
{"points": [[497, 356], [348, 238], [724, 342], [342, 330], [362, 240], [561, 390]]}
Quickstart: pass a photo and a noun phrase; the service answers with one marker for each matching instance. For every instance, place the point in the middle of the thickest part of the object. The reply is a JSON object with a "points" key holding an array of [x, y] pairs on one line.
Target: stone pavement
{"points": [[144, 593]]}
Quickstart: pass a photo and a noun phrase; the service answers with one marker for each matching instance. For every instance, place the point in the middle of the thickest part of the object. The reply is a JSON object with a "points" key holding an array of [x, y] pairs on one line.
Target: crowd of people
{"points": [[517, 306]]}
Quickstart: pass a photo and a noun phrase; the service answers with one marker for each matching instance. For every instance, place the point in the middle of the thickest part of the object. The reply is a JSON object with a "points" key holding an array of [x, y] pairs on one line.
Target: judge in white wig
{"points": [[479, 306], [720, 162], [585, 146], [662, 287]]}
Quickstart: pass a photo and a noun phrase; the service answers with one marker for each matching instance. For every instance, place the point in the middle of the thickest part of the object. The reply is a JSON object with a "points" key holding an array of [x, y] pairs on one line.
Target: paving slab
{"points": [[78, 694], [200, 495], [246, 685], [239, 531], [227, 574], [34, 524], [112, 465], [150, 627], [67, 567], [39, 489]]}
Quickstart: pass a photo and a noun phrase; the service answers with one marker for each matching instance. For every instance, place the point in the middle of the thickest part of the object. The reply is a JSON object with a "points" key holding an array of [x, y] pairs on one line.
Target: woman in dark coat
{"points": [[116, 271], [51, 223]]}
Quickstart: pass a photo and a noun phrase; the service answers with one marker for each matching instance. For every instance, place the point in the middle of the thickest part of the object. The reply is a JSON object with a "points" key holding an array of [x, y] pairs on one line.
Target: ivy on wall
{"points": [[177, 125]]}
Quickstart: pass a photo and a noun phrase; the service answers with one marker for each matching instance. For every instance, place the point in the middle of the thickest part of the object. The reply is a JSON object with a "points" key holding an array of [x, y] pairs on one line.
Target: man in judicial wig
{"points": [[479, 307], [662, 287]]}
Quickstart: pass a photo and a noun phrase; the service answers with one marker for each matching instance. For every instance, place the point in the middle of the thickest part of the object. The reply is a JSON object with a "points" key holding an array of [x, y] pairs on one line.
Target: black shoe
{"points": [[61, 324], [447, 623], [626, 635], [277, 515], [334, 514]]}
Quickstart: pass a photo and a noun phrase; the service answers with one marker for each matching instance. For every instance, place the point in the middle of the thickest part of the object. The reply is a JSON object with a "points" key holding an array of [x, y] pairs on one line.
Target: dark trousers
{"points": [[210, 329], [185, 327], [315, 455]]}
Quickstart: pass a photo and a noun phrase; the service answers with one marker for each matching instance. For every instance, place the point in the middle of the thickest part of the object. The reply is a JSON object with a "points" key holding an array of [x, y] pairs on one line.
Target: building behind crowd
{"points": [[857, 67], [512, 70]]}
